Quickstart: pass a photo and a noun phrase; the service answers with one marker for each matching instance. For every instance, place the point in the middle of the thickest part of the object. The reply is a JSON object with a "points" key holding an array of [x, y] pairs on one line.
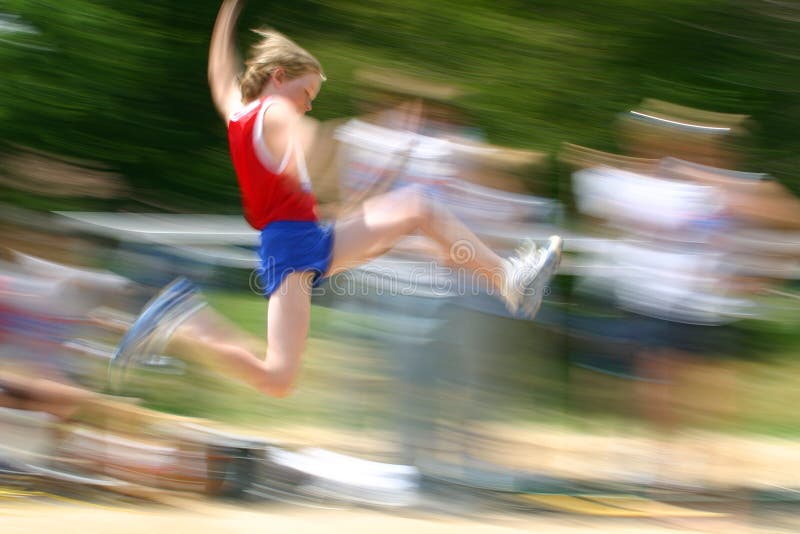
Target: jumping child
{"points": [[263, 109]]}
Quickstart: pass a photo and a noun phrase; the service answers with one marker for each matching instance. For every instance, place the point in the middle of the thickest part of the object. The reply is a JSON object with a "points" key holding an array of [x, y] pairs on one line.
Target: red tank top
{"points": [[268, 194]]}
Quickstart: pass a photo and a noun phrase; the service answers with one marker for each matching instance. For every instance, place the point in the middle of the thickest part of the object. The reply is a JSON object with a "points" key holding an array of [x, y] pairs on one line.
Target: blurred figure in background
{"points": [[676, 270], [45, 305], [438, 324]]}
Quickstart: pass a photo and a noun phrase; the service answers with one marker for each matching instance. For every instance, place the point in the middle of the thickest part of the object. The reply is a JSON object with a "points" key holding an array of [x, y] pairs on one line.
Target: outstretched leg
{"points": [[384, 220], [289, 313]]}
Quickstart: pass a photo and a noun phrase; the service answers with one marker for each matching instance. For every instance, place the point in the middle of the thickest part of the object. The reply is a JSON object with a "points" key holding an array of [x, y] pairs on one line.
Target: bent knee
{"points": [[279, 376], [277, 385], [282, 390]]}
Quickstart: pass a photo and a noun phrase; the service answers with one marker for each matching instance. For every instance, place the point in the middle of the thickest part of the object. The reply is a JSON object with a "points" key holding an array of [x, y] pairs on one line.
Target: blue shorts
{"points": [[293, 247]]}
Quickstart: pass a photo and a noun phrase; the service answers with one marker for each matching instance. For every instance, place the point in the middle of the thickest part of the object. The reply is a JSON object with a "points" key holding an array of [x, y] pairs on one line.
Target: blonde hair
{"points": [[272, 51]]}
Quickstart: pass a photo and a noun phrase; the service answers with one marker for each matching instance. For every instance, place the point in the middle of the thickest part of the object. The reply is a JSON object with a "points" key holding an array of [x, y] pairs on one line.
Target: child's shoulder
{"points": [[279, 108], [274, 105], [273, 112], [243, 111]]}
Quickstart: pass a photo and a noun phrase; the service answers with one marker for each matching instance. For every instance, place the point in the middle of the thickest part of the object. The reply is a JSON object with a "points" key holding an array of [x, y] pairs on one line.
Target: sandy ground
{"points": [[214, 518]]}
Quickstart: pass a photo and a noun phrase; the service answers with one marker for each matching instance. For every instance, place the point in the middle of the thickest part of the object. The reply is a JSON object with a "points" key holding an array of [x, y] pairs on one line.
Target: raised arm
{"points": [[223, 61]]}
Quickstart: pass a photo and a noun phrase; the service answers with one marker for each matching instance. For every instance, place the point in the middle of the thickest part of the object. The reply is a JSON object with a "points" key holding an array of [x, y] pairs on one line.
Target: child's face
{"points": [[301, 91]]}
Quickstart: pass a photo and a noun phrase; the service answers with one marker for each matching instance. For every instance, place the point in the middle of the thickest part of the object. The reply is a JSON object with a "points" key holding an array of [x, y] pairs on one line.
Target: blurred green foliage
{"points": [[124, 83]]}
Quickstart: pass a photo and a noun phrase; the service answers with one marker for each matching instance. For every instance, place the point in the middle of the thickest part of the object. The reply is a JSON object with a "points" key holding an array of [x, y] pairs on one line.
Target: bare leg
{"points": [[383, 220], [287, 327]]}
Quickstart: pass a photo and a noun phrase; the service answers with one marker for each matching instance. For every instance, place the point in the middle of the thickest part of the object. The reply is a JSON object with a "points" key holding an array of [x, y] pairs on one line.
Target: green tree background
{"points": [[124, 83]]}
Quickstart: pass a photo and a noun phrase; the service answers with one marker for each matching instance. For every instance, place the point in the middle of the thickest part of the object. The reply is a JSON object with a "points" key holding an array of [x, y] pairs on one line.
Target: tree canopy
{"points": [[124, 83]]}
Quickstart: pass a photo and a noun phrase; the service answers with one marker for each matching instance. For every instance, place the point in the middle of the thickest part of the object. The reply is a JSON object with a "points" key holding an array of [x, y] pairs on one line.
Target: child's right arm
{"points": [[223, 61]]}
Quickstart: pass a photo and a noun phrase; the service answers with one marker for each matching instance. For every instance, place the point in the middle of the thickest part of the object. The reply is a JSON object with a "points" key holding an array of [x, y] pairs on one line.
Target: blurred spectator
{"points": [[440, 330], [675, 273]]}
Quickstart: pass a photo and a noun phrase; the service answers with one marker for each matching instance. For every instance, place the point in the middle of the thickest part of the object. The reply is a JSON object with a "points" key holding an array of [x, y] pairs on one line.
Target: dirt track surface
{"points": [[218, 518]]}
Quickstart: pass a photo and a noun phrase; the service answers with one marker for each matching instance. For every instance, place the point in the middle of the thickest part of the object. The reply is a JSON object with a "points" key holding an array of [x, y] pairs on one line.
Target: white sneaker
{"points": [[550, 260], [527, 275], [518, 268]]}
